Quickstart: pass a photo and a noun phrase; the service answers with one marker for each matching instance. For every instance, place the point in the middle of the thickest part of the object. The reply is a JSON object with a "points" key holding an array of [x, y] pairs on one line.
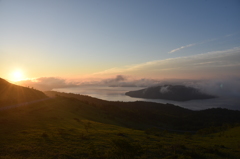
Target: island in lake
{"points": [[170, 92]]}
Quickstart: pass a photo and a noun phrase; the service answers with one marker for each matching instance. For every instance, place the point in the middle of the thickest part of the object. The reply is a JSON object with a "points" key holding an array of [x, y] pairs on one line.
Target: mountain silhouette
{"points": [[13, 94], [170, 92]]}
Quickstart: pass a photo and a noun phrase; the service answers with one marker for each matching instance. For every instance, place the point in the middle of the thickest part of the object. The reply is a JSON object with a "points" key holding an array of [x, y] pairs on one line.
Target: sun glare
{"points": [[17, 76]]}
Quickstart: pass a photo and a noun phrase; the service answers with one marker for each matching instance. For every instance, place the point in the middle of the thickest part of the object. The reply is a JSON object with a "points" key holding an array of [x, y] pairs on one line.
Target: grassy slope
{"points": [[68, 128]]}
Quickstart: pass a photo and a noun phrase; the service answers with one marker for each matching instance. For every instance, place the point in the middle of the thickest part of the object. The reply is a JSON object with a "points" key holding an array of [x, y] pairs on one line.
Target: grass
{"points": [[68, 128]]}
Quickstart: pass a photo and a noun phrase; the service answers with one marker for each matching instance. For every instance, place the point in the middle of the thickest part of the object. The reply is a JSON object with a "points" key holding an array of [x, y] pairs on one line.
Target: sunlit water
{"points": [[118, 94]]}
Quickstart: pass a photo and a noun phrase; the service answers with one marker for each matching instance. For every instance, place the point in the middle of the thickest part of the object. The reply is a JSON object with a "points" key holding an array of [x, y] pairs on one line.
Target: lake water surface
{"points": [[118, 94]]}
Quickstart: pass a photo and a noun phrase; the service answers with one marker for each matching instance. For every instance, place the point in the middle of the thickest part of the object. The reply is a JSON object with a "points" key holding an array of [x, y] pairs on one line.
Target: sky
{"points": [[140, 39]]}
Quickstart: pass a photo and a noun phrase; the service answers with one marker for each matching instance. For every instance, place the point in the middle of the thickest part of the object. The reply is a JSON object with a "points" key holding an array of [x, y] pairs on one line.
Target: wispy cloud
{"points": [[210, 64], [182, 47], [206, 41], [233, 34], [190, 45]]}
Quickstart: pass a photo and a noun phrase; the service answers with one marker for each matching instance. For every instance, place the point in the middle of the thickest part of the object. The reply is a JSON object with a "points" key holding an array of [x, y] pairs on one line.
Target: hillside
{"points": [[11, 94], [170, 92], [141, 114], [79, 126], [75, 126]]}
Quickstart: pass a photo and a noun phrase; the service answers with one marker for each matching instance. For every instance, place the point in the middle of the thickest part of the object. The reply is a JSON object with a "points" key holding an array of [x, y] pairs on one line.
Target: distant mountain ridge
{"points": [[170, 92], [13, 94]]}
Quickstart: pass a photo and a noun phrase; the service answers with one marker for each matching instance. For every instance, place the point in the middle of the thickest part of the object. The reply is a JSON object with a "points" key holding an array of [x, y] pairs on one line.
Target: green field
{"points": [[66, 127]]}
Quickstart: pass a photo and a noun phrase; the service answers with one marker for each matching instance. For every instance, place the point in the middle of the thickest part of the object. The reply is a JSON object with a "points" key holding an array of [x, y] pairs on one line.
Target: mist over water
{"points": [[118, 94]]}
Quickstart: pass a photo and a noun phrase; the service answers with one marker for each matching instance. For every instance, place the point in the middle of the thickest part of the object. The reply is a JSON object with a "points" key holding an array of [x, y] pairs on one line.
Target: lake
{"points": [[118, 94]]}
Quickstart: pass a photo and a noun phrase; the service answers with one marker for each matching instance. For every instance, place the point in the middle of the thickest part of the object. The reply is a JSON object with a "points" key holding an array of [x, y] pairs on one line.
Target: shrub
{"points": [[124, 149], [44, 135]]}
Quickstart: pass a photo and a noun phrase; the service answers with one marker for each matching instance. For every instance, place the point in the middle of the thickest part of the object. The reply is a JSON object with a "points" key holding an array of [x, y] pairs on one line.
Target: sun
{"points": [[17, 75]]}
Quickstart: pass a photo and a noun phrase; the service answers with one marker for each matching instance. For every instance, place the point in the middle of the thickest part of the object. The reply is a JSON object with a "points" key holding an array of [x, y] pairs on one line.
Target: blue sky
{"points": [[80, 39]]}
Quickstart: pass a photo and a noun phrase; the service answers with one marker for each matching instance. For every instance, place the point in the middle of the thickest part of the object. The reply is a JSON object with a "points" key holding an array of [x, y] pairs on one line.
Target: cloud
{"points": [[209, 40], [164, 89], [119, 80], [182, 47], [207, 65], [233, 34], [47, 83], [122, 81], [190, 45], [220, 87], [224, 87]]}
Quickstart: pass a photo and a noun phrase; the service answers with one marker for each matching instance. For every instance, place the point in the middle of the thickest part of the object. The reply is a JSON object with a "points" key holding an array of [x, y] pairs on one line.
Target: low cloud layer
{"points": [[225, 87], [221, 87], [218, 87], [47, 83], [122, 81], [228, 87]]}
